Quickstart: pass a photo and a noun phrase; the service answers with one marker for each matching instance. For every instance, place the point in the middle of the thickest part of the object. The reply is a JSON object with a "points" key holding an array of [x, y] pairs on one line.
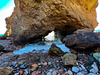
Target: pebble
{"points": [[65, 69], [80, 68], [23, 66], [32, 69], [51, 70], [97, 56], [69, 72], [33, 73], [94, 68], [21, 62], [61, 71], [39, 64], [83, 68], [21, 72], [49, 73], [49, 63], [80, 73], [14, 64], [75, 69], [54, 73], [26, 73], [45, 63], [92, 74], [34, 65], [16, 74]]}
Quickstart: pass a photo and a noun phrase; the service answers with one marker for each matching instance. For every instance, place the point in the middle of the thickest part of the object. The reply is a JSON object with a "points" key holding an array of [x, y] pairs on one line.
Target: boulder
{"points": [[69, 59], [34, 19], [83, 41], [55, 51], [5, 71], [97, 56]]}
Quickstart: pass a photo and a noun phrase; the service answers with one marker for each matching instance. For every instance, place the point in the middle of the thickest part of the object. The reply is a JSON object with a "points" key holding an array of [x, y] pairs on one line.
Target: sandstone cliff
{"points": [[33, 19]]}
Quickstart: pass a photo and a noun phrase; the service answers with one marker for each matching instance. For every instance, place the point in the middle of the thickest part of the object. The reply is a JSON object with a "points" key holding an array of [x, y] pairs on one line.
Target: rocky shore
{"points": [[54, 61], [73, 21]]}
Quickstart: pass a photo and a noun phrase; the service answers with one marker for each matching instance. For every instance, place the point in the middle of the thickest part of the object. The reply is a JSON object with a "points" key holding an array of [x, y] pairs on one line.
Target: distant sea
{"points": [[1, 34], [98, 30]]}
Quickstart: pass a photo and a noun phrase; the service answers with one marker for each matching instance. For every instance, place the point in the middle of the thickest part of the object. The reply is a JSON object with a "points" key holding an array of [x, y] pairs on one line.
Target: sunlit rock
{"points": [[33, 19]]}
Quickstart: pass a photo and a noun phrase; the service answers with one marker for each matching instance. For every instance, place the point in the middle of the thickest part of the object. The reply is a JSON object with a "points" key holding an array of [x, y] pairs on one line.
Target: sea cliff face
{"points": [[33, 19]]}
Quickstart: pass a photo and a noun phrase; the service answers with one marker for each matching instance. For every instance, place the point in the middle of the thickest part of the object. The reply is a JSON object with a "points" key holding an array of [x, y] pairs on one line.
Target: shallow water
{"points": [[43, 45], [37, 46]]}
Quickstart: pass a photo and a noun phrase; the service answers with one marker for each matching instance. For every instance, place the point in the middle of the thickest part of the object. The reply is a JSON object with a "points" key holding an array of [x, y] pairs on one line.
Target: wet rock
{"points": [[69, 59], [1, 47], [36, 18], [80, 73], [5, 71], [92, 74], [83, 68], [23, 66], [55, 51], [16, 74], [51, 70], [69, 72], [97, 56], [83, 41], [54, 73], [75, 69], [94, 68], [49, 73]]}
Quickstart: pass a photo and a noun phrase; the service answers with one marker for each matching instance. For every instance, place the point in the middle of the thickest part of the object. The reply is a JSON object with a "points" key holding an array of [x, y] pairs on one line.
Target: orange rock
{"points": [[21, 72], [34, 65], [33, 19]]}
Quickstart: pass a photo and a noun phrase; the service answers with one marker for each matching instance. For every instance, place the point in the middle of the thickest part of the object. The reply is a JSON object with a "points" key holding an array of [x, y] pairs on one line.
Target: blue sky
{"points": [[3, 3], [6, 9]]}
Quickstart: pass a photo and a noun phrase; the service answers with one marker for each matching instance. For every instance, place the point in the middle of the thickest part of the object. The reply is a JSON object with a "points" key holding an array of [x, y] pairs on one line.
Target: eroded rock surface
{"points": [[69, 59], [33, 19], [87, 41]]}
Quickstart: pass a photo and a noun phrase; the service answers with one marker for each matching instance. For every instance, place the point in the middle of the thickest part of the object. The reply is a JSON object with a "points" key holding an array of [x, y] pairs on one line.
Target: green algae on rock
{"points": [[69, 59]]}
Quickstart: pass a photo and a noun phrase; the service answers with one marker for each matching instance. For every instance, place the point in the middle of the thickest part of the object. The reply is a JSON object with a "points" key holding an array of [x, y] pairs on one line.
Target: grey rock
{"points": [[80, 73], [92, 74], [75, 69], [97, 56], [94, 68], [23, 66], [49, 73], [70, 72]]}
